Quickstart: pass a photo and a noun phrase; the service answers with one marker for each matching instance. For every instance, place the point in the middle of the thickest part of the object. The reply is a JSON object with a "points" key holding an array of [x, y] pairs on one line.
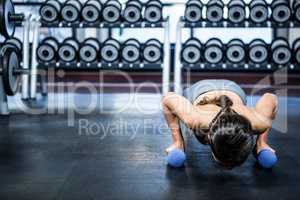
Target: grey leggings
{"points": [[201, 87]]}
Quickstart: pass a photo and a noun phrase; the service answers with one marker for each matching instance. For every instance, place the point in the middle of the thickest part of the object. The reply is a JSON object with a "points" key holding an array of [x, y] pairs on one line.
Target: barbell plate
{"points": [[9, 59], [7, 28]]}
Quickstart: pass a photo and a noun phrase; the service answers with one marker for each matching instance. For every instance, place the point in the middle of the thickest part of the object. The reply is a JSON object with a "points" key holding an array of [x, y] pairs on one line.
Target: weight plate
{"points": [[70, 13], [191, 54], [281, 14], [7, 28], [214, 13], [193, 13], [235, 54], [132, 14], [281, 56], [88, 53], [111, 14], [45, 53], [152, 54], [259, 14], [9, 59], [258, 54], [153, 14], [130, 53], [213, 54], [109, 53], [90, 13], [236, 14], [67, 53], [49, 13]]}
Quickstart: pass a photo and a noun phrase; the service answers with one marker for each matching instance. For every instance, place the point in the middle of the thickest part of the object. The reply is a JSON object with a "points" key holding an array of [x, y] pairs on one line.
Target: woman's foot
{"points": [[177, 145]]}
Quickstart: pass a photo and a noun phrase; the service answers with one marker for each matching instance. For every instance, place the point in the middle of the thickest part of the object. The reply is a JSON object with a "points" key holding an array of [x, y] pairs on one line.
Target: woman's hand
{"points": [[263, 145], [178, 145]]}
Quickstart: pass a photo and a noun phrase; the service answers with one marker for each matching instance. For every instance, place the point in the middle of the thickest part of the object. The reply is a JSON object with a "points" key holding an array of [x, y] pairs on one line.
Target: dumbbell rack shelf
{"points": [[246, 24], [206, 67], [102, 66], [164, 67], [236, 67], [141, 24]]}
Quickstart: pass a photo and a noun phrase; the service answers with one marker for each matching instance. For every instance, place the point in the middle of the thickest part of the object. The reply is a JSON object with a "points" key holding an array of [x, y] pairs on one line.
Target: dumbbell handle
{"points": [[16, 17]]}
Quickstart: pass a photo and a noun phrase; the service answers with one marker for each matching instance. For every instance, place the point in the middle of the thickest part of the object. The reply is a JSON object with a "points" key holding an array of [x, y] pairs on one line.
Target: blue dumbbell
{"points": [[176, 158], [267, 158]]}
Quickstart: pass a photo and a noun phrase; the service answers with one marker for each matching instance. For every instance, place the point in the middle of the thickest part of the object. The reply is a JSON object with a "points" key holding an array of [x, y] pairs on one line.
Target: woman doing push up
{"points": [[215, 112]]}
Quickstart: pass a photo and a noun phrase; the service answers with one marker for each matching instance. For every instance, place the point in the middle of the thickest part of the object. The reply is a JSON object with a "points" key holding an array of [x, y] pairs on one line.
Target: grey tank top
{"points": [[202, 87]]}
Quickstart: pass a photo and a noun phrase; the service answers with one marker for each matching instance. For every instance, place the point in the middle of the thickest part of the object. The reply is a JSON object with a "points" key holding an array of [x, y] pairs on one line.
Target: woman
{"points": [[216, 113]]}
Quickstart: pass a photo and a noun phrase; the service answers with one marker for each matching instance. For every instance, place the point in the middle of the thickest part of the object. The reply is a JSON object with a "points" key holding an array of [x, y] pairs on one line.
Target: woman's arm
{"points": [[267, 108], [177, 108]]}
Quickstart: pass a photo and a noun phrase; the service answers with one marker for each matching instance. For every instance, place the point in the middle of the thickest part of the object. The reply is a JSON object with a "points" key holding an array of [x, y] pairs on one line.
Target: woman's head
{"points": [[230, 136]]}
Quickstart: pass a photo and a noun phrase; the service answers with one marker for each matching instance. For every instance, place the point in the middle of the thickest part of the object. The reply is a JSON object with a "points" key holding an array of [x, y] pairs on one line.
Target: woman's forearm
{"points": [[173, 123]]}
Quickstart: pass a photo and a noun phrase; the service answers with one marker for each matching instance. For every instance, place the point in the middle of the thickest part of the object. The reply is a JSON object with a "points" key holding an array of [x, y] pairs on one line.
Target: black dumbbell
{"points": [[236, 11], [153, 11], [112, 11], [281, 11], [131, 51], [70, 11], [91, 11], [296, 50], [296, 9], [281, 52], [89, 50], [68, 50], [193, 11], [47, 50], [133, 11], [213, 51], [153, 51], [8, 18], [191, 51], [259, 12], [110, 51], [258, 51], [50, 11], [235, 51], [215, 11]]}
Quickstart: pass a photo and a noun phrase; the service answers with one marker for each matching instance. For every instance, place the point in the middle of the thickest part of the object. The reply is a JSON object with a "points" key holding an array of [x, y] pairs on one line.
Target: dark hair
{"points": [[231, 135]]}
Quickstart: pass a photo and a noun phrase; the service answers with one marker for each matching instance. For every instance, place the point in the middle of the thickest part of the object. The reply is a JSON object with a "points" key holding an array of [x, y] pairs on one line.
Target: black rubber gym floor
{"points": [[42, 158]]}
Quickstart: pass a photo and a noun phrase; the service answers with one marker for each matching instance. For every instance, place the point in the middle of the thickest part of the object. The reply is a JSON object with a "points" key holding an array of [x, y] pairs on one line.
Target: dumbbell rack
{"points": [[165, 66], [179, 66]]}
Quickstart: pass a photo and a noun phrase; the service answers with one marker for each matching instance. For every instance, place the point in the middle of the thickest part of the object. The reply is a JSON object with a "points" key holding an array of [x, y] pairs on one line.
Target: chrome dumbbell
{"points": [[193, 11], [281, 52], [47, 50], [213, 51], [131, 49], [110, 51], [191, 51], [89, 50], [68, 50]]}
